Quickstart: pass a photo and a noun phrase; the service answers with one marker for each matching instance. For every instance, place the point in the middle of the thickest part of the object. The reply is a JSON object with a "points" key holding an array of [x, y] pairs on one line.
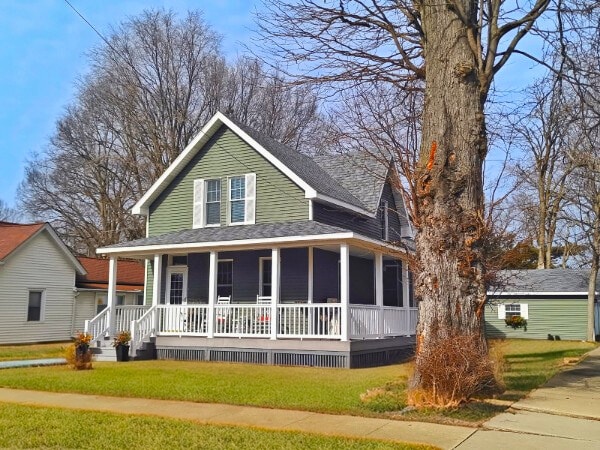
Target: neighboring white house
{"points": [[92, 288], [37, 284]]}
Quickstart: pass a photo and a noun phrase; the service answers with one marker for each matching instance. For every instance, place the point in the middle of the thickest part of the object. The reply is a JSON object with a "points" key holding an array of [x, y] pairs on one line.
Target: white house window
{"points": [[514, 309], [213, 202], [139, 299], [34, 307], [508, 310], [225, 278], [120, 300], [237, 199]]}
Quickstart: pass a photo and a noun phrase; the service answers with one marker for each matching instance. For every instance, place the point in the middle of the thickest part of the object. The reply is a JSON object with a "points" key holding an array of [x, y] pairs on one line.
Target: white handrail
{"points": [[98, 325], [141, 329]]}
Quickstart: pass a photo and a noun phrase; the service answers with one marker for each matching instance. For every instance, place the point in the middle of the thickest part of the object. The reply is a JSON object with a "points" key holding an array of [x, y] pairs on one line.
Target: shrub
{"points": [[452, 370], [122, 338], [79, 357], [516, 322]]}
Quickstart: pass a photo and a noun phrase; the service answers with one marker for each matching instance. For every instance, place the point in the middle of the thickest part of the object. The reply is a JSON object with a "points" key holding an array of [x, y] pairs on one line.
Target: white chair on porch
{"points": [[222, 313], [263, 318]]}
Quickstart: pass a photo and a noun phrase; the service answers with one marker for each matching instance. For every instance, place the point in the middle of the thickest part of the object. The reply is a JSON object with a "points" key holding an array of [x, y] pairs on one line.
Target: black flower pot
{"points": [[122, 352], [81, 350]]}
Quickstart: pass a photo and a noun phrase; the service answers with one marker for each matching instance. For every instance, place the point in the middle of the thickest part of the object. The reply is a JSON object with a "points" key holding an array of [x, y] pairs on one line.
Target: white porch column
{"points": [[212, 292], [310, 275], [275, 279], [345, 290], [379, 292], [406, 300], [310, 296], [112, 294], [157, 280]]}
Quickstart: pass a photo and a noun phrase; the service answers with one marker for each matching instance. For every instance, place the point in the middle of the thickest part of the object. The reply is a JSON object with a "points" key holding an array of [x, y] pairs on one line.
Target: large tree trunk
{"points": [[451, 283]]}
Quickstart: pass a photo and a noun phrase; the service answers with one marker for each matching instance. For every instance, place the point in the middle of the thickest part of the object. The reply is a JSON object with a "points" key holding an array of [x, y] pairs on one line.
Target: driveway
{"points": [[563, 414]]}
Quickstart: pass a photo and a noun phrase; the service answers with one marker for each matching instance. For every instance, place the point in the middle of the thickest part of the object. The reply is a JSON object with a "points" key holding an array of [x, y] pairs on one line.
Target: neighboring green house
{"points": [[552, 301], [258, 253], [37, 284]]}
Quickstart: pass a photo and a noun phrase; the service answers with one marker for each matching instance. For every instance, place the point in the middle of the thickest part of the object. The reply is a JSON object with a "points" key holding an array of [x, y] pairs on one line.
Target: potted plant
{"points": [[79, 355], [121, 345]]}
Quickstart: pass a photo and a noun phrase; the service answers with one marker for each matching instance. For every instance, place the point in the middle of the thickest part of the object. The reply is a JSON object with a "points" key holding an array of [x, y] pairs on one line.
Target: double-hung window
{"points": [[240, 198], [213, 202], [237, 199], [508, 310], [34, 307]]}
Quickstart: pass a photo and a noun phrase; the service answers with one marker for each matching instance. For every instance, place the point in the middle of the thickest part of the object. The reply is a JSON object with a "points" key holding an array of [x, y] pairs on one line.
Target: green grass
{"points": [[305, 388], [529, 364], [20, 428], [36, 351]]}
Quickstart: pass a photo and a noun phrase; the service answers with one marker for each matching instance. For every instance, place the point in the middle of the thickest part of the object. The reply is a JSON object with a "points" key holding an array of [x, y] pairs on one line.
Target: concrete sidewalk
{"points": [[563, 414], [443, 436], [32, 363]]}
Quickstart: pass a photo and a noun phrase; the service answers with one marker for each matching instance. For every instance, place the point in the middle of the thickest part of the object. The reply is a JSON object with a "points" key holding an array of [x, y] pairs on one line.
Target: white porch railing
{"points": [[306, 321], [366, 321], [124, 314], [99, 325], [142, 328]]}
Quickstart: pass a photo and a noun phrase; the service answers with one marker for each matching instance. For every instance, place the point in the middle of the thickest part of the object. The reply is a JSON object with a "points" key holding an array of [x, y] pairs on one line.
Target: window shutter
{"points": [[250, 210], [501, 312], [198, 214], [525, 311]]}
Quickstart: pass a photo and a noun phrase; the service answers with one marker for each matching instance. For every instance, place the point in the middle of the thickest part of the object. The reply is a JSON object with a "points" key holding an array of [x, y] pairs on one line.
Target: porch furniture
{"points": [[263, 317]]}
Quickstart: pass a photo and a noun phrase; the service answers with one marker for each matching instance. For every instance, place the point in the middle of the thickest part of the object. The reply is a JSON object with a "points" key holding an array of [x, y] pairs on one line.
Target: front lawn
{"points": [[36, 351], [20, 427], [528, 364]]}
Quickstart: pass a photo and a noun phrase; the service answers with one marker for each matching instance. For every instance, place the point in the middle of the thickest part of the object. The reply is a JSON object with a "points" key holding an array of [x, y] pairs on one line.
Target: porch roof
{"points": [[265, 234]]}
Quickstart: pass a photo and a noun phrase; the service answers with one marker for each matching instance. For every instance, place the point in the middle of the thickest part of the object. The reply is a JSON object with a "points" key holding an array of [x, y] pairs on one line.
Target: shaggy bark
{"points": [[449, 197]]}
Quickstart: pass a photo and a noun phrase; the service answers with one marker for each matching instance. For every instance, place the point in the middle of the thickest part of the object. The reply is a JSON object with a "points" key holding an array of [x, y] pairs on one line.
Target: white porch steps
{"points": [[103, 350]]}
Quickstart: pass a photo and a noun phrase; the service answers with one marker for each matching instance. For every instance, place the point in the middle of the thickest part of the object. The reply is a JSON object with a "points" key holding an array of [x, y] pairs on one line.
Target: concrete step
{"points": [[104, 353]]}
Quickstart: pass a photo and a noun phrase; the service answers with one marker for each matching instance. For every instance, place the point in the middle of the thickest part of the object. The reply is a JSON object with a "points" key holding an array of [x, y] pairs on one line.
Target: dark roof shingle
{"points": [[543, 280]]}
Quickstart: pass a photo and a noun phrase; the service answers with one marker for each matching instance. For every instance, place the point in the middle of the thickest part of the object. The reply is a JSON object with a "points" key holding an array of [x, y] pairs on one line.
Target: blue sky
{"points": [[42, 53]]}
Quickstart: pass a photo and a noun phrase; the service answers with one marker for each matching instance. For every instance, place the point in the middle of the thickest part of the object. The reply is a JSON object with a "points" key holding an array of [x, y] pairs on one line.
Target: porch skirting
{"points": [[312, 353]]}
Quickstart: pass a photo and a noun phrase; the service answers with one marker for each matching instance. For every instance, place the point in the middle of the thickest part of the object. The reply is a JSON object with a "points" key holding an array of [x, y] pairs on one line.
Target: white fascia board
{"points": [[381, 246], [142, 206], [137, 291], [532, 293], [216, 245]]}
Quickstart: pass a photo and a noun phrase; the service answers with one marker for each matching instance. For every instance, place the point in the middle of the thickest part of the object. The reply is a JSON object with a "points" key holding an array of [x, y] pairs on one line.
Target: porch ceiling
{"points": [[292, 234]]}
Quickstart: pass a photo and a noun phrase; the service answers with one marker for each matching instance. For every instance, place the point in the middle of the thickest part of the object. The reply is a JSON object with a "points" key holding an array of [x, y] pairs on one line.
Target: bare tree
{"points": [[455, 48], [7, 213], [545, 140], [149, 90]]}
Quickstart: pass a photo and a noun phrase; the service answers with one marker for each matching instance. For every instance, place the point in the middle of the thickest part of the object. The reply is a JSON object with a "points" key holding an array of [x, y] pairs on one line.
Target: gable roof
{"points": [[316, 180], [130, 274], [543, 281], [14, 235]]}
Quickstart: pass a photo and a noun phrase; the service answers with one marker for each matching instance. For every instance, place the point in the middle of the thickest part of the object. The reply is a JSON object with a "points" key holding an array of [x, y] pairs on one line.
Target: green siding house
{"points": [[255, 252], [552, 301]]}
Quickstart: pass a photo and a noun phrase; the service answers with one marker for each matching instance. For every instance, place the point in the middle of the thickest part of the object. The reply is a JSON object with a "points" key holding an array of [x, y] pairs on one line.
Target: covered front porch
{"points": [[240, 295]]}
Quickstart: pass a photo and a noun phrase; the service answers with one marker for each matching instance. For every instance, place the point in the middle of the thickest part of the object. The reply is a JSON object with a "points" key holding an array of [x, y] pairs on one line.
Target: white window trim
{"points": [[249, 199], [42, 305], [261, 261], [524, 307], [171, 270], [217, 283]]}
